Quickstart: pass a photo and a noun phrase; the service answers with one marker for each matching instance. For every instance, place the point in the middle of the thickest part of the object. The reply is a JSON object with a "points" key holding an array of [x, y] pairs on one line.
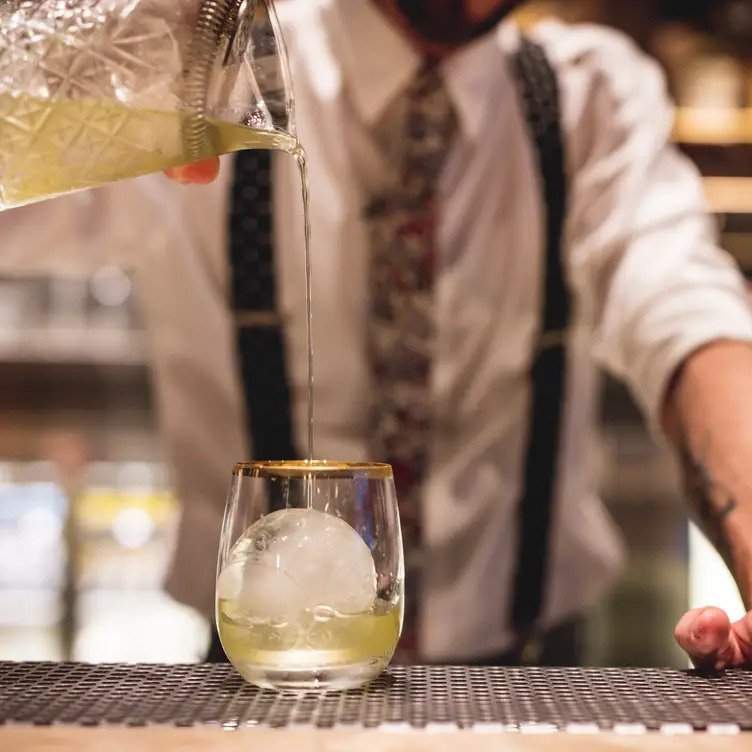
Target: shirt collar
{"points": [[471, 75], [378, 62]]}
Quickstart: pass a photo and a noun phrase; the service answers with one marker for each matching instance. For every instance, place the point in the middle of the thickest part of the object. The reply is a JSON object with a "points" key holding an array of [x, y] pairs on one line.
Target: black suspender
{"points": [[260, 339], [540, 95]]}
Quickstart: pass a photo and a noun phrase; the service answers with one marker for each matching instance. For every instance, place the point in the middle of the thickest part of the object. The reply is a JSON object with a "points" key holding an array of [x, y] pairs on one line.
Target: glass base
{"points": [[312, 678]]}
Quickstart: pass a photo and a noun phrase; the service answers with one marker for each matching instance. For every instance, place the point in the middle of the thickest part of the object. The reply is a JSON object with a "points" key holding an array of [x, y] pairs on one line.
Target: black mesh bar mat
{"points": [[435, 698]]}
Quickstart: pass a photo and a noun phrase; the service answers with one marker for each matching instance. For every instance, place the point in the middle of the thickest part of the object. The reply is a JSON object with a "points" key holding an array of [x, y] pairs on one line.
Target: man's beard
{"points": [[446, 21]]}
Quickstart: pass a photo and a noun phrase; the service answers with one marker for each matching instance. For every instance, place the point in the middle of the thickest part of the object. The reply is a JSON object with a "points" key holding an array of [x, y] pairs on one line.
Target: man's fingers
{"points": [[198, 172], [705, 633], [741, 639]]}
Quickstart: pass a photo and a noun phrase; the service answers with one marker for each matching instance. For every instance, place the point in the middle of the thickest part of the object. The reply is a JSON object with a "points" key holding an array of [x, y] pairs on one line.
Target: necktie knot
{"points": [[430, 126], [415, 135]]}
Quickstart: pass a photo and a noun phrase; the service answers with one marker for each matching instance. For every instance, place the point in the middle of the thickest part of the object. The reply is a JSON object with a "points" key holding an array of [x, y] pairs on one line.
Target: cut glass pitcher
{"points": [[93, 91]]}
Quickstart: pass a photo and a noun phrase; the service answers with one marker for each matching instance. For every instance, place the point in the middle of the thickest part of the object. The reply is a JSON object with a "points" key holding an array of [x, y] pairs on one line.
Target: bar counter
{"points": [[204, 740], [160, 708]]}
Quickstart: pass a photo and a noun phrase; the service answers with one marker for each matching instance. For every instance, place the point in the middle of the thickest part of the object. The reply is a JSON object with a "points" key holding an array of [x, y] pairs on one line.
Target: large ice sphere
{"points": [[297, 559]]}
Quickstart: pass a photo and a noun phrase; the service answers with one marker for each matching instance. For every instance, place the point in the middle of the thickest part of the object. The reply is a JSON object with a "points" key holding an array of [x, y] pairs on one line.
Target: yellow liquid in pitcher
{"points": [[318, 641], [48, 148]]}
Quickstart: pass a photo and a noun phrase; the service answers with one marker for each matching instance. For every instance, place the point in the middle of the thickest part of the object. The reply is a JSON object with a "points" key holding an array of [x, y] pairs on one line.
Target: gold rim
{"points": [[319, 468]]}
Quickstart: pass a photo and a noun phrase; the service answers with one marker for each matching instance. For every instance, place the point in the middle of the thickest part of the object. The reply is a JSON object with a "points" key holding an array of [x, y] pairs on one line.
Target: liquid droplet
{"points": [[256, 119], [323, 613]]}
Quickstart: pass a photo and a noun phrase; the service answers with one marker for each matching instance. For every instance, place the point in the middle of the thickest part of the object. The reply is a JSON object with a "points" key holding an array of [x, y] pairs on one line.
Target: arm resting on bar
{"points": [[708, 417]]}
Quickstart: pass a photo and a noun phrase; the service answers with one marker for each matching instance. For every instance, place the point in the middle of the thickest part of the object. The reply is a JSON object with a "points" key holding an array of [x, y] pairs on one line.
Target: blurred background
{"points": [[87, 517]]}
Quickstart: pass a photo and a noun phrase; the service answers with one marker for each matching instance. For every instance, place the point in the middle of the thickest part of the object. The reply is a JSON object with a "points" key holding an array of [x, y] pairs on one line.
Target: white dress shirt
{"points": [[649, 282]]}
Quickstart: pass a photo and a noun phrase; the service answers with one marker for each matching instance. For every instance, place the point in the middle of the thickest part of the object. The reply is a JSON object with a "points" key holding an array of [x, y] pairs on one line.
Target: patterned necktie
{"points": [[401, 222]]}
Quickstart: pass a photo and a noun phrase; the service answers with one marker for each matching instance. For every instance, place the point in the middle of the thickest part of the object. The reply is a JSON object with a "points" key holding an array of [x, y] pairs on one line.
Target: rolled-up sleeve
{"points": [[650, 277]]}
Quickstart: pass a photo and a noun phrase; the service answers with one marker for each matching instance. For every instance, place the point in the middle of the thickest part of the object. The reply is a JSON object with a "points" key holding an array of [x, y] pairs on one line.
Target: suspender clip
{"points": [[551, 339], [258, 319]]}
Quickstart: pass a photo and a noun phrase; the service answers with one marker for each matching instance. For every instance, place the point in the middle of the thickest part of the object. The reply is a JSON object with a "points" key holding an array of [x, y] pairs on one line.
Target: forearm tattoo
{"points": [[710, 500]]}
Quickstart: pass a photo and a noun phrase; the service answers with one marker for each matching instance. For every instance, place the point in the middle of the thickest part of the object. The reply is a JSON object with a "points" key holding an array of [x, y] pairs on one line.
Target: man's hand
{"points": [[712, 641], [199, 172], [708, 416]]}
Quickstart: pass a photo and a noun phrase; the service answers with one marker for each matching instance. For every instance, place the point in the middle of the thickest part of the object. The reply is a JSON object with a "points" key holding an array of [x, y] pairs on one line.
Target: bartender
{"points": [[494, 216]]}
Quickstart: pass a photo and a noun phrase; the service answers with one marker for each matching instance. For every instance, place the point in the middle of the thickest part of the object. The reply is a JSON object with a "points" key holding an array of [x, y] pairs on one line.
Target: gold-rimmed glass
{"points": [[310, 573]]}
